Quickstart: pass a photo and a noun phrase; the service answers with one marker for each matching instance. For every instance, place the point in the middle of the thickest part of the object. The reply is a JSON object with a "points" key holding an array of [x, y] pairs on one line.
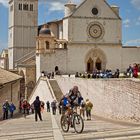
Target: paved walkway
{"points": [[26, 128], [49, 129]]}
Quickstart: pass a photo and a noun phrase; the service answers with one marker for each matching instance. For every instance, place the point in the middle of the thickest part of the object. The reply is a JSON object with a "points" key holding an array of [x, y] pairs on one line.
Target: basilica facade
{"points": [[88, 37]]}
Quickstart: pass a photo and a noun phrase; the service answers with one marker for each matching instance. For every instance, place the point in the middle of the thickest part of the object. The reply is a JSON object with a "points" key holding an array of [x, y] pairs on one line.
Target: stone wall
{"points": [[10, 92], [112, 98]]}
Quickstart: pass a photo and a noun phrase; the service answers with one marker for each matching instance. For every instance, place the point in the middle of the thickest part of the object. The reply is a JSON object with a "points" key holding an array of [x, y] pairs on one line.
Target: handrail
{"points": [[50, 88], [26, 56]]}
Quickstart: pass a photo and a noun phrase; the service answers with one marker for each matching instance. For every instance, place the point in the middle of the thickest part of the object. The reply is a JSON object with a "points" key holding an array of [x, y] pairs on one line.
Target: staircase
{"points": [[27, 57], [56, 89]]}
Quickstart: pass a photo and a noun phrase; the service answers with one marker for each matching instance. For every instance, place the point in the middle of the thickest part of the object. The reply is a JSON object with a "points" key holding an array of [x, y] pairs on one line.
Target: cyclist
{"points": [[71, 100]]}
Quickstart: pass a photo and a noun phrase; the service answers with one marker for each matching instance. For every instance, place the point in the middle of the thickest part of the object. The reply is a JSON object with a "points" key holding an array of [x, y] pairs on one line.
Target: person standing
{"points": [[24, 107], [89, 106], [37, 108], [53, 105], [42, 106], [12, 109], [135, 70], [48, 106], [82, 109], [32, 108], [5, 107]]}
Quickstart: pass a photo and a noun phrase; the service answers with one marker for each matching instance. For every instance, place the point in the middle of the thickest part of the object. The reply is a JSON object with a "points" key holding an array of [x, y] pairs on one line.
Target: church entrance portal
{"points": [[90, 65], [98, 64], [95, 60]]}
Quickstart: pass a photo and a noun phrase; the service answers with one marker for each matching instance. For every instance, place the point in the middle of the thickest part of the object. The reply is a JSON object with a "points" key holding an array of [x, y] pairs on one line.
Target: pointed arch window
{"points": [[98, 64], [90, 65]]}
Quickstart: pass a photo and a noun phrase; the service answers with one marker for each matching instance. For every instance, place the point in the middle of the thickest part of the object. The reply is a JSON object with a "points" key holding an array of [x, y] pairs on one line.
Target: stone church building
{"points": [[88, 37]]}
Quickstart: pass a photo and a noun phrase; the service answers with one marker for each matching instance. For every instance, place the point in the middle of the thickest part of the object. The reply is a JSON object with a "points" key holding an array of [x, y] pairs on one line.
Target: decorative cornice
{"points": [[19, 47], [91, 43], [104, 18], [23, 26]]}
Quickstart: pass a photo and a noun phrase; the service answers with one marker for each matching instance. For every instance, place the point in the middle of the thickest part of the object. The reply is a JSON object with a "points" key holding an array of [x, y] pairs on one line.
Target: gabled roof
{"points": [[7, 77], [85, 1], [112, 10]]}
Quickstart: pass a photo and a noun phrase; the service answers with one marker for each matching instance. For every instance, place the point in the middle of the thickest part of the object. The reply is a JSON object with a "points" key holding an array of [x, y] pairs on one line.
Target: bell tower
{"points": [[22, 31]]}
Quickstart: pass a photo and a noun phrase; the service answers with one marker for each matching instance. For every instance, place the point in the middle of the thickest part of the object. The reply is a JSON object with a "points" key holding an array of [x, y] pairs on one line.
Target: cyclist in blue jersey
{"points": [[71, 99]]}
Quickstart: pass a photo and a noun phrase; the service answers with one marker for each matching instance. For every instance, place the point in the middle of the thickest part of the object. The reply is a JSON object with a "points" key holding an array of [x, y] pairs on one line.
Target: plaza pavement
{"points": [[21, 128]]}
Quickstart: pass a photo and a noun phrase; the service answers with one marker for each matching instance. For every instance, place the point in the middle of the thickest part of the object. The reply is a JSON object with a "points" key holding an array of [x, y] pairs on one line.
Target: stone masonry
{"points": [[112, 98]]}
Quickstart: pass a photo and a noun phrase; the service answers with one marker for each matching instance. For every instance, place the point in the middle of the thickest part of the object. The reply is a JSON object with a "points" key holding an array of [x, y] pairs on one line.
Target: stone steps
{"points": [[27, 128], [56, 89], [98, 129]]}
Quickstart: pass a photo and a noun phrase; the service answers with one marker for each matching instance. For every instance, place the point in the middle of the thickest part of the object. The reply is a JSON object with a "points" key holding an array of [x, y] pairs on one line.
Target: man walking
{"points": [[37, 108]]}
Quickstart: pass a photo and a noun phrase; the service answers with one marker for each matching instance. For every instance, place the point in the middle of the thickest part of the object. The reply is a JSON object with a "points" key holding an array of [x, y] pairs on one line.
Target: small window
{"points": [[47, 45], [31, 7], [20, 6], [25, 7]]}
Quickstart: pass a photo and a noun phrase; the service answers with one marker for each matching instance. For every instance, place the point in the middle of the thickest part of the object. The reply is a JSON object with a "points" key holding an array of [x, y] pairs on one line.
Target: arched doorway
{"points": [[98, 64], [56, 68], [95, 59], [90, 65]]}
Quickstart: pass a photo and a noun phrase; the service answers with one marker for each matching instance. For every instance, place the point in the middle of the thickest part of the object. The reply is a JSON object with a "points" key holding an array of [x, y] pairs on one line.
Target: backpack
{"points": [[65, 101]]}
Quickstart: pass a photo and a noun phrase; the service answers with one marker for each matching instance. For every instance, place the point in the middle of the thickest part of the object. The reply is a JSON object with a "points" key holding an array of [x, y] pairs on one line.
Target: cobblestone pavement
{"points": [[49, 129]]}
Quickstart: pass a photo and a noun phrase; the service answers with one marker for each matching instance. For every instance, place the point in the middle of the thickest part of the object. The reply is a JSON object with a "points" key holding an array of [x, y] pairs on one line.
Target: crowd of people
{"points": [[131, 71], [99, 74], [72, 99]]}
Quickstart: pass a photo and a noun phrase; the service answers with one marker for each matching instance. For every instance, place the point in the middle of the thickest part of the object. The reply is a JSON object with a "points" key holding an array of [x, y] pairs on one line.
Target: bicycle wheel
{"points": [[64, 123], [78, 123]]}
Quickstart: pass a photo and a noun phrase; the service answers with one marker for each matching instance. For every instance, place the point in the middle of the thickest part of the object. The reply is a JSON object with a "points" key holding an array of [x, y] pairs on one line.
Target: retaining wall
{"points": [[112, 98]]}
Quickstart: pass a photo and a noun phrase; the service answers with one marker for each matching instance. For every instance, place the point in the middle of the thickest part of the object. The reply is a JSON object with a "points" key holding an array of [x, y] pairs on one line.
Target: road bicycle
{"points": [[72, 120]]}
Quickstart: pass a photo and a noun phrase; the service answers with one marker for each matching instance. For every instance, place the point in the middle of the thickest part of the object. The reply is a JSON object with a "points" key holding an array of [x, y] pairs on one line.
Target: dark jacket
{"points": [[12, 108], [37, 104]]}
